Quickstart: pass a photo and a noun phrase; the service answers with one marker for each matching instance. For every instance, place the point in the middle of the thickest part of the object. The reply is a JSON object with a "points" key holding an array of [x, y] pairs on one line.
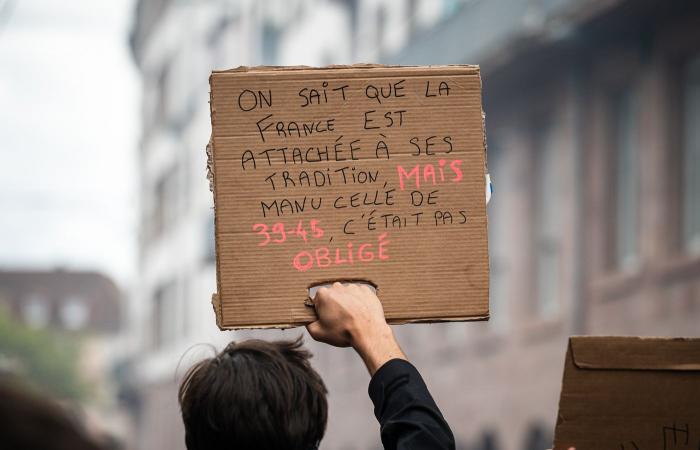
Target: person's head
{"points": [[30, 420], [254, 395]]}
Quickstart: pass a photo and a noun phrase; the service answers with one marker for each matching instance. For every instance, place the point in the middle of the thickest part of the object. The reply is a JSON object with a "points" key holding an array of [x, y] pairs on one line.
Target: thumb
{"points": [[317, 331]]}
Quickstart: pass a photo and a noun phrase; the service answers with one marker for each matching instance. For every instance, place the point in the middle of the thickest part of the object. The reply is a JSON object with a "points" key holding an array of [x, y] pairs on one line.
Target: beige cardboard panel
{"points": [[227, 90], [239, 198], [458, 112], [433, 268], [247, 274], [636, 353], [465, 137], [629, 408]]}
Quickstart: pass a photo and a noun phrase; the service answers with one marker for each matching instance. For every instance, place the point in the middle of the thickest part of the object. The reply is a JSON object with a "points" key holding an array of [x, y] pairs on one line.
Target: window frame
{"points": [[549, 126], [613, 262], [684, 243]]}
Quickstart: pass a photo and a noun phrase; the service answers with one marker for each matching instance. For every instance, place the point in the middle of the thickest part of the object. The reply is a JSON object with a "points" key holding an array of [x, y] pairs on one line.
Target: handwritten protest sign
{"points": [[630, 393], [348, 173]]}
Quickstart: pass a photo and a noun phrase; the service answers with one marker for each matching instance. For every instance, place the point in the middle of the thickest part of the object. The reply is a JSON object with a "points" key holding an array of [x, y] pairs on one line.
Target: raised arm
{"points": [[351, 315]]}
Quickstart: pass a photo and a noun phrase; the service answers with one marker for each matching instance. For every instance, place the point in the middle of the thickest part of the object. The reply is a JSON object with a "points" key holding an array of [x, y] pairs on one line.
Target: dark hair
{"points": [[254, 395], [31, 420]]}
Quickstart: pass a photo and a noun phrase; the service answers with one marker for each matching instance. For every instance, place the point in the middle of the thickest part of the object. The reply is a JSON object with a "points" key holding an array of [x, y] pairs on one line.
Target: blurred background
{"points": [[106, 224]]}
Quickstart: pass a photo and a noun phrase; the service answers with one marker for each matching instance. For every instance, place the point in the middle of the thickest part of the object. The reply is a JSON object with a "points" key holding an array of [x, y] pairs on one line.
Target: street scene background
{"points": [[107, 259]]}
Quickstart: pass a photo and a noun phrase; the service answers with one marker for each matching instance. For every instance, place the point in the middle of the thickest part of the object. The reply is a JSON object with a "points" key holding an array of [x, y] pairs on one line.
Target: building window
{"points": [[450, 7], [547, 219], [36, 312], [270, 44], [209, 240], [165, 202], [185, 316], [352, 9], [498, 250], [487, 441], [164, 314], [382, 19], [624, 183], [691, 157], [223, 41], [74, 314], [158, 217], [538, 437], [162, 87]]}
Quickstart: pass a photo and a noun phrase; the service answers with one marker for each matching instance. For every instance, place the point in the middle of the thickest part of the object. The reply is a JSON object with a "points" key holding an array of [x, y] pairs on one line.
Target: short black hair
{"points": [[254, 395]]}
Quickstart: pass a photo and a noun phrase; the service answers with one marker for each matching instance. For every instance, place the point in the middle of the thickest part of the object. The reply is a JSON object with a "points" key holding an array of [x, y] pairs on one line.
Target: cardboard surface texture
{"points": [[348, 173], [630, 393]]}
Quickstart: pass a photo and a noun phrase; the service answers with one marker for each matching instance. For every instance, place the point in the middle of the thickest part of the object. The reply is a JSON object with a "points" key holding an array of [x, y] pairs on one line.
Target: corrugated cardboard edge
{"points": [[254, 69], [483, 122], [635, 353], [210, 165], [216, 304], [211, 173], [217, 309], [486, 172], [560, 418]]}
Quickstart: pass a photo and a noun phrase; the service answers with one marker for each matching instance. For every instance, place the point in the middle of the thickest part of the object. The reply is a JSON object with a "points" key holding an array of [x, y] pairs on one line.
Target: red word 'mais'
{"points": [[326, 257], [430, 174], [278, 234]]}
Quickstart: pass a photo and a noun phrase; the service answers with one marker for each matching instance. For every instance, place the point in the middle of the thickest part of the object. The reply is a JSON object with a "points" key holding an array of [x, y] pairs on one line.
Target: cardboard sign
{"points": [[630, 393], [348, 173]]}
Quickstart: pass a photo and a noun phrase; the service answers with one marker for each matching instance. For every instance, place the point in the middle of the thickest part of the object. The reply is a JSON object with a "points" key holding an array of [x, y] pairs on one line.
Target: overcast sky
{"points": [[69, 117]]}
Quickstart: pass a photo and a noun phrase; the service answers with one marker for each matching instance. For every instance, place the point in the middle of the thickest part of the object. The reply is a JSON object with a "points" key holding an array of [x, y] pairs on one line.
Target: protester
{"points": [[30, 421], [266, 395]]}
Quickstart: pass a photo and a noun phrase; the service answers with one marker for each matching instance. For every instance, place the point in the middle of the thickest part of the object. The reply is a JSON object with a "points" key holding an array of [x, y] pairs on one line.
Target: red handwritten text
{"points": [[278, 234], [428, 174], [323, 257]]}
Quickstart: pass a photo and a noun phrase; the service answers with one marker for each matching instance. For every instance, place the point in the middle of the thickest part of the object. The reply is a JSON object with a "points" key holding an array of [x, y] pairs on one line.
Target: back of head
{"points": [[254, 395], [29, 420]]}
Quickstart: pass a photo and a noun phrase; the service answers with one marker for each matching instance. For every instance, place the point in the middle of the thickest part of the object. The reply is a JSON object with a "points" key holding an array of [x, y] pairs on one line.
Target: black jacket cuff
{"points": [[387, 373]]}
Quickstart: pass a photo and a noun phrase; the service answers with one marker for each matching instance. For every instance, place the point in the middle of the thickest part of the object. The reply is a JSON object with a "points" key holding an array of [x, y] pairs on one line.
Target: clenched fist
{"points": [[351, 315]]}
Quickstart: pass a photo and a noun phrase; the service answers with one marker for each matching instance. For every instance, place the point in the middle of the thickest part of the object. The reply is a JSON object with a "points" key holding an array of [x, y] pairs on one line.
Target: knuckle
{"points": [[313, 328]]}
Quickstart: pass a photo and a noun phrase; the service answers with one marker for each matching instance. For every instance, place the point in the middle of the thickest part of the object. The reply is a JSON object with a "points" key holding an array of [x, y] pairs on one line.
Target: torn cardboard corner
{"points": [[630, 393], [348, 173]]}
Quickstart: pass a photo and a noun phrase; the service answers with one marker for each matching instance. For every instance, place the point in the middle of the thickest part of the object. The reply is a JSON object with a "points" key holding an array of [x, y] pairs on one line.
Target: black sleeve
{"points": [[407, 414]]}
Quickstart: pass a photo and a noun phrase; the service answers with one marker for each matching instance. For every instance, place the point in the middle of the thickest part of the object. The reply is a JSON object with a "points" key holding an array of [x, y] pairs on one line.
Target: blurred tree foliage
{"points": [[44, 359]]}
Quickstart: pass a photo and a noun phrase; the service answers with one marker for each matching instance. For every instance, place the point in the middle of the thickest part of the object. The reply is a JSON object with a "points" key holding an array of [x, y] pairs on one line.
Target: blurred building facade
{"points": [[82, 308], [62, 300], [592, 111]]}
